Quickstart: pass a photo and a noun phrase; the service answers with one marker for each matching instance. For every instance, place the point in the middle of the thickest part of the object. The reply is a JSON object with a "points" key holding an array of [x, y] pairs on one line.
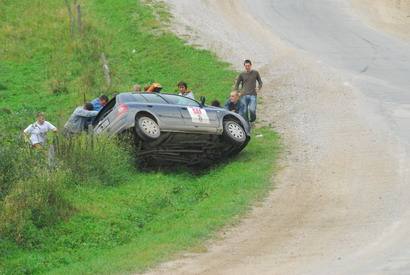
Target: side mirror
{"points": [[202, 100]]}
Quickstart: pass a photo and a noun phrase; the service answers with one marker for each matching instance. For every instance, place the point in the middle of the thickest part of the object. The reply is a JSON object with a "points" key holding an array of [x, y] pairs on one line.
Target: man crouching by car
{"points": [[234, 104], [79, 118]]}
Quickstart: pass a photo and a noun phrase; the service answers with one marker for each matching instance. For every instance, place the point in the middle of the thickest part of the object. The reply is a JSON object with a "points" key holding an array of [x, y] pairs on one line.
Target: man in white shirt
{"points": [[37, 131]]}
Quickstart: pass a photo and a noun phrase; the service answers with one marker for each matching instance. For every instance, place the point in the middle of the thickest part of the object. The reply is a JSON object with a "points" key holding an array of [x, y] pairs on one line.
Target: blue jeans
{"points": [[249, 101]]}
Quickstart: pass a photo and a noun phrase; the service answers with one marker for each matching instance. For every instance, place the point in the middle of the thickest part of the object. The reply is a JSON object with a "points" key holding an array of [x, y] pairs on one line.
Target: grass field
{"points": [[146, 217]]}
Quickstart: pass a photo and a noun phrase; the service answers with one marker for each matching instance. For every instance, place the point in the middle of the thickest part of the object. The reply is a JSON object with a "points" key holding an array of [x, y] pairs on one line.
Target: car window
{"points": [[180, 100], [126, 98], [154, 98]]}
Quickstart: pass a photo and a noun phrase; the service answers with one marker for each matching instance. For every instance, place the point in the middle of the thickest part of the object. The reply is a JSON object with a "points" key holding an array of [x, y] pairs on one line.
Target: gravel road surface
{"points": [[338, 90]]}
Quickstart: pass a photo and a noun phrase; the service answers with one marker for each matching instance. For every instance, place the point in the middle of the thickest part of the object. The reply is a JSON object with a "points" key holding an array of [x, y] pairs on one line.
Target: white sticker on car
{"points": [[105, 124], [198, 115], [102, 125]]}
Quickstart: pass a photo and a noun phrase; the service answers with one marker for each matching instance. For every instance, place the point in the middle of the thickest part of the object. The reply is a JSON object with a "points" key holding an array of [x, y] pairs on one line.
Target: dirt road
{"points": [[338, 92]]}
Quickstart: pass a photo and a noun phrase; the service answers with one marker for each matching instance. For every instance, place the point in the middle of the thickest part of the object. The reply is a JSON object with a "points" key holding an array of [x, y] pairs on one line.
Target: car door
{"points": [[170, 117], [196, 117]]}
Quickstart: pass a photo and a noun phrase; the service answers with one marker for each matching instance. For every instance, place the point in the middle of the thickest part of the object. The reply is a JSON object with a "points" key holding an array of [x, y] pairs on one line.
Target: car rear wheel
{"points": [[147, 128], [233, 131]]}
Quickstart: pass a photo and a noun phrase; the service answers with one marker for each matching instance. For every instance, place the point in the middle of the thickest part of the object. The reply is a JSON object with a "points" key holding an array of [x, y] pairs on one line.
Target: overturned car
{"points": [[169, 129]]}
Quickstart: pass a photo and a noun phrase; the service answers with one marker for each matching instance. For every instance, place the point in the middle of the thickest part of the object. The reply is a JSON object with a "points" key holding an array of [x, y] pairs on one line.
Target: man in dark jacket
{"points": [[247, 80], [234, 104]]}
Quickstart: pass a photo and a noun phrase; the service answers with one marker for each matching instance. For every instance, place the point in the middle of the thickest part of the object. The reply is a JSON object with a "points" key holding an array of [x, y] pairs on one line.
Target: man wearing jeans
{"points": [[247, 80]]}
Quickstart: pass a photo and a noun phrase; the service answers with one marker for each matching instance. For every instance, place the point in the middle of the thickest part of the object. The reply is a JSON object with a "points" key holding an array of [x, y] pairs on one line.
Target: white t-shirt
{"points": [[38, 132]]}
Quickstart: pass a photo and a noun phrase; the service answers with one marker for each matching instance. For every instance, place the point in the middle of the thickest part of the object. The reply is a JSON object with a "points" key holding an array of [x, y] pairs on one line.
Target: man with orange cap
{"points": [[154, 88]]}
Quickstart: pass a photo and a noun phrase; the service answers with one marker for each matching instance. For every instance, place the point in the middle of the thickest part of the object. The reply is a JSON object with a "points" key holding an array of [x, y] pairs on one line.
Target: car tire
{"points": [[147, 128], [234, 132]]}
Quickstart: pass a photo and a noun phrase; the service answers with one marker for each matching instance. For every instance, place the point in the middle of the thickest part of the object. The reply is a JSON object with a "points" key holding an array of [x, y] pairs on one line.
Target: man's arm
{"points": [[258, 78], [85, 113], [51, 127], [239, 81], [28, 130]]}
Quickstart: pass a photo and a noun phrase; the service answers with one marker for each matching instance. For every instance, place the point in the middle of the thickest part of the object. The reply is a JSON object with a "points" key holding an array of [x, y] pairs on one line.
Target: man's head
{"points": [[157, 87], [234, 97], [103, 100], [183, 87], [40, 118], [248, 65], [154, 88], [216, 103], [88, 106], [137, 88]]}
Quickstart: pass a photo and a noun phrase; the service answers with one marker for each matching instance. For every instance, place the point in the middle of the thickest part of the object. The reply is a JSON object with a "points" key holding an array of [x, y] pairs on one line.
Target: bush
{"points": [[16, 163], [94, 159], [32, 191], [7, 175], [58, 87], [31, 194], [32, 204]]}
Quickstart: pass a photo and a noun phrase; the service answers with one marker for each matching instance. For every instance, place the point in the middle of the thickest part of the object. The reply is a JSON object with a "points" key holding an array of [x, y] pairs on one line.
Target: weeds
{"points": [[32, 192], [32, 204], [94, 159]]}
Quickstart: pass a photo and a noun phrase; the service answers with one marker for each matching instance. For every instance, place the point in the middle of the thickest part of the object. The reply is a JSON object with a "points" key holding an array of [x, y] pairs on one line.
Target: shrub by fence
{"points": [[32, 192]]}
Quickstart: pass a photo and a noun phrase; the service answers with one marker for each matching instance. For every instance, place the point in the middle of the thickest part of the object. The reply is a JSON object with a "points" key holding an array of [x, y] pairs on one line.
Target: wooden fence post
{"points": [[106, 69], [79, 25], [71, 17]]}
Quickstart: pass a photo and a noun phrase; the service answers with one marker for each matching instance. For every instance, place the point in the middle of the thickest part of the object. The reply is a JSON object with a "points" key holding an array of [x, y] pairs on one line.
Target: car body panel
{"points": [[200, 119]]}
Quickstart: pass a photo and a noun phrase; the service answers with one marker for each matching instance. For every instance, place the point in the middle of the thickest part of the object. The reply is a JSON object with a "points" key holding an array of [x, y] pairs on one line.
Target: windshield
{"points": [[127, 98], [154, 98]]}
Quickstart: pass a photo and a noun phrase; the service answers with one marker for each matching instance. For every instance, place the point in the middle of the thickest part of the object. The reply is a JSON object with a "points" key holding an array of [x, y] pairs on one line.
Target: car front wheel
{"points": [[234, 132], [147, 128]]}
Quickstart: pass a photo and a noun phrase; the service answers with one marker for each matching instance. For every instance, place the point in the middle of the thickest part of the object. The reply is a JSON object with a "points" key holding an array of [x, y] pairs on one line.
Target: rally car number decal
{"points": [[198, 115]]}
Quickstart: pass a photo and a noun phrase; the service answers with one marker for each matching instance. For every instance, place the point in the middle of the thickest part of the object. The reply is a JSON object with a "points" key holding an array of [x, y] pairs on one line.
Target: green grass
{"points": [[137, 223], [132, 226]]}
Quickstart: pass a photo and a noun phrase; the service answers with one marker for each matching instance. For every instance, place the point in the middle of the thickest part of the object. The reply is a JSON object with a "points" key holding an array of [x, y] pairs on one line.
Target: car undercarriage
{"points": [[195, 151]]}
